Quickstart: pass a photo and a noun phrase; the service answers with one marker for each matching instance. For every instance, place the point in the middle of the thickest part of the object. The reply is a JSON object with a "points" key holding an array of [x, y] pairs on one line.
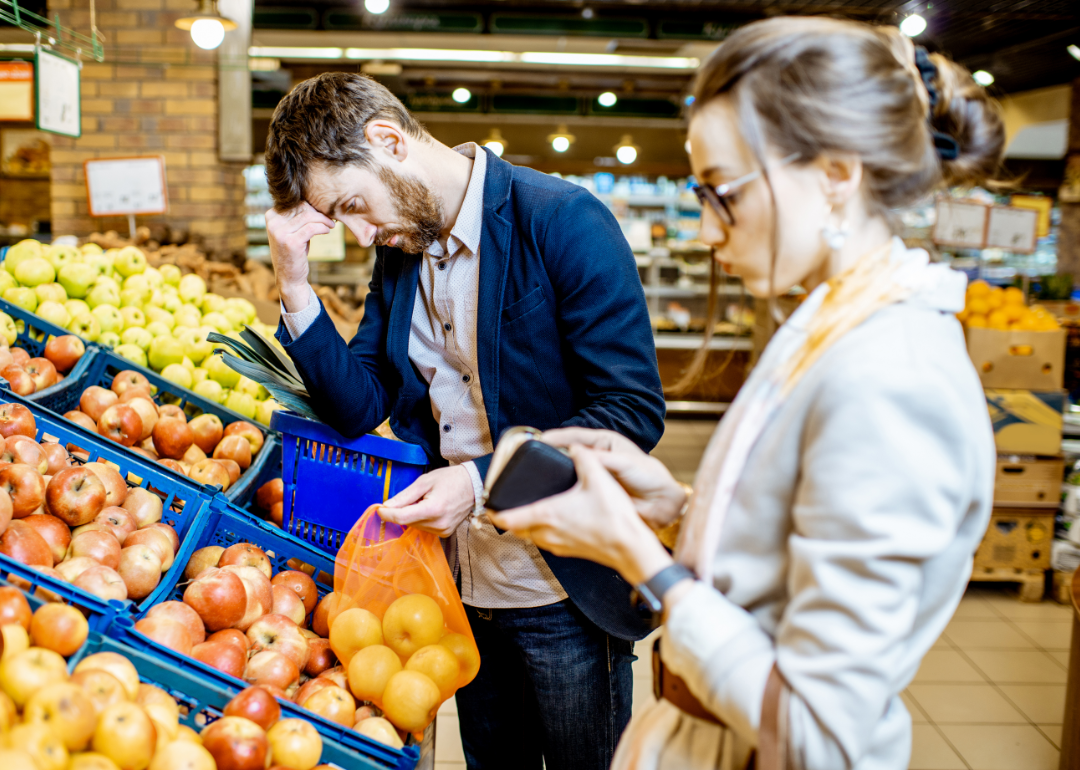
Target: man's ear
{"points": [[387, 138], [841, 176]]}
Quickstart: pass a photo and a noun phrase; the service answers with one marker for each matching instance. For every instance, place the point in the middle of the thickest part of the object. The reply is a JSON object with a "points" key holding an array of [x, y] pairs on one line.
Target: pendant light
{"points": [[207, 26]]}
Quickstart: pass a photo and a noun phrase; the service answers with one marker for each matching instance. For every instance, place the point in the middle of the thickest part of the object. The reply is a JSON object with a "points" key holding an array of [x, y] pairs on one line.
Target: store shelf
{"points": [[650, 201], [697, 407], [695, 341]]}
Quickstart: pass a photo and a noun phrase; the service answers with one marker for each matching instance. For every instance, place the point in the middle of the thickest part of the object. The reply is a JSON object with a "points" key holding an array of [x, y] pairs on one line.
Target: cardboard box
{"points": [[1018, 360], [1017, 538], [1027, 422], [1028, 481]]}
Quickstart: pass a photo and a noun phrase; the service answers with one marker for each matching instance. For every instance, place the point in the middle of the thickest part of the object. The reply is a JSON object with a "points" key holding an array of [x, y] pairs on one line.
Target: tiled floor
{"points": [[990, 695]]}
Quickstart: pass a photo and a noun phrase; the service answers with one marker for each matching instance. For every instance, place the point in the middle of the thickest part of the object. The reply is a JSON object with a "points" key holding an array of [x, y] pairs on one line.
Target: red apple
{"points": [[173, 465], [81, 419], [20, 449], [19, 356], [279, 634], [273, 668], [172, 410], [232, 468], [234, 448], [16, 419], [140, 568], [55, 532], [23, 544], [219, 597], [42, 371], [332, 604], [302, 584], [310, 687], [232, 636], [193, 455], [26, 488], [6, 511], [5, 356], [147, 413], [158, 541], [256, 704], [337, 675], [320, 657], [116, 489], [237, 744], [65, 351], [137, 392], [249, 432], [102, 547], [95, 400], [122, 424], [183, 614], [287, 603], [246, 555], [167, 633], [221, 655], [210, 472], [15, 609], [202, 559], [143, 505], [19, 380], [170, 532], [117, 517], [71, 569], [149, 454], [269, 493], [76, 495], [259, 593], [277, 514], [208, 430], [172, 437], [129, 378], [103, 582], [57, 457], [335, 704]]}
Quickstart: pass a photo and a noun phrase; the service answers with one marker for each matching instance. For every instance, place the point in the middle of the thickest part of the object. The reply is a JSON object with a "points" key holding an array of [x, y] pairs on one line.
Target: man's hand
{"points": [[289, 235], [436, 502]]}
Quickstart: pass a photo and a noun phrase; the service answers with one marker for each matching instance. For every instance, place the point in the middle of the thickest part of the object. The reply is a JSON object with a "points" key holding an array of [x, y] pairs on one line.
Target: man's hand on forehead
{"points": [[308, 213]]}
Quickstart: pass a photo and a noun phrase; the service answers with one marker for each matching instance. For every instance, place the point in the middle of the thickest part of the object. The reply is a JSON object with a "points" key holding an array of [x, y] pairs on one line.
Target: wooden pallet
{"points": [[1032, 581]]}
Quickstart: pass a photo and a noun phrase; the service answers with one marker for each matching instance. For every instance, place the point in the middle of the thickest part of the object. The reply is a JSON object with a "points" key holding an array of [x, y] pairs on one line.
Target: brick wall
{"points": [[156, 93]]}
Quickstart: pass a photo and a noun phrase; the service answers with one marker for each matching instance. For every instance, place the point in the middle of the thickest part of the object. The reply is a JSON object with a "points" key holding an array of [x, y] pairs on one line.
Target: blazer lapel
{"points": [[400, 327]]}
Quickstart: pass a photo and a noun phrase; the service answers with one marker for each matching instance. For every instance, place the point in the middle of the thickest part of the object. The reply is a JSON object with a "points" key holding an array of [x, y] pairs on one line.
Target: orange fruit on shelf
{"points": [[978, 288], [1014, 296], [996, 298], [976, 321], [978, 306]]}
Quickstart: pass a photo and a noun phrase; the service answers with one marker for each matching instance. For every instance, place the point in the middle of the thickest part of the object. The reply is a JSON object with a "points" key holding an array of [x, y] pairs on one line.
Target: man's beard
{"points": [[418, 209]]}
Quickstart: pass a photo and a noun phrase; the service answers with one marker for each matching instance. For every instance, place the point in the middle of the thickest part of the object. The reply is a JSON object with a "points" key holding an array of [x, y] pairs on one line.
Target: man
{"points": [[499, 297]]}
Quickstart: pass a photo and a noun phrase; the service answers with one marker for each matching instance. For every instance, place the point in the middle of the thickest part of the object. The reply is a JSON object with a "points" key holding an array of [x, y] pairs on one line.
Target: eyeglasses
{"points": [[718, 197]]}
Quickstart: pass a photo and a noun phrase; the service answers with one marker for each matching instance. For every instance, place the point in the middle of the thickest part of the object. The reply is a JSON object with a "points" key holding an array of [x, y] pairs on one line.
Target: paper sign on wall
{"points": [[329, 247], [16, 90], [119, 186], [960, 224], [57, 87], [1013, 229]]}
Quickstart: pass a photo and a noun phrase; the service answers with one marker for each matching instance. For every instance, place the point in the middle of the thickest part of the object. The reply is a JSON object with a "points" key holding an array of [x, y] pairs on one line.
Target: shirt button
{"points": [[442, 265], [465, 378], [446, 428], [446, 326]]}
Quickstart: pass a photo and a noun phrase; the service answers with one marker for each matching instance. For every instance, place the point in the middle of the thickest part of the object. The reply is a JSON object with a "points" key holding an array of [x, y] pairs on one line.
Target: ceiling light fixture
{"points": [[913, 26], [607, 99], [376, 6], [626, 151], [561, 139], [983, 78], [483, 57], [207, 26], [495, 142], [1074, 51], [461, 95]]}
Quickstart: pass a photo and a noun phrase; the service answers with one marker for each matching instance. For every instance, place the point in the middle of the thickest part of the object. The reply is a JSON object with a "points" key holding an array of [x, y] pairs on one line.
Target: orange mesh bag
{"points": [[398, 626]]}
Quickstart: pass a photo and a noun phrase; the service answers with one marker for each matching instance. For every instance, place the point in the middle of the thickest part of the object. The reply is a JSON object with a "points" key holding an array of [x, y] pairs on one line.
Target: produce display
{"points": [[989, 307], [204, 450], [26, 375], [159, 318]]}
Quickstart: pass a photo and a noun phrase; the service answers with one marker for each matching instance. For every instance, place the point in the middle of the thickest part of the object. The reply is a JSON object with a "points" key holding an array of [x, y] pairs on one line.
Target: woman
{"points": [[830, 534]]}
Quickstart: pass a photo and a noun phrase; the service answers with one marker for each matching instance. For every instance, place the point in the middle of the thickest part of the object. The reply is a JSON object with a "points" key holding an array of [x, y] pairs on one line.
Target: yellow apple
{"points": [[353, 630], [411, 622]]}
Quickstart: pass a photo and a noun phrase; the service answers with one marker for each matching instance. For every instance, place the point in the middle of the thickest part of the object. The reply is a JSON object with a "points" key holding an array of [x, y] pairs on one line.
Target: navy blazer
{"points": [[563, 339]]}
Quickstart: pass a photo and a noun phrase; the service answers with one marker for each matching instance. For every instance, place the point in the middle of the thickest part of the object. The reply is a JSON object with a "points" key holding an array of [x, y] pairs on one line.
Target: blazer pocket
{"points": [[524, 306]]}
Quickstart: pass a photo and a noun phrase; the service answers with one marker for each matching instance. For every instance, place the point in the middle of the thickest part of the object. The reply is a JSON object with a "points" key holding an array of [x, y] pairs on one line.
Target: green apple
{"points": [[59, 255], [99, 262], [54, 313], [241, 403], [137, 336], [109, 339], [130, 261], [179, 374], [7, 281], [139, 283], [32, 272], [50, 291], [132, 316], [199, 374], [192, 288], [188, 364], [159, 329], [212, 303], [77, 278], [75, 307], [157, 299], [21, 296], [131, 298], [154, 276], [221, 372], [109, 317], [265, 409], [103, 294], [171, 274], [246, 307], [218, 321], [211, 390], [237, 317], [172, 302], [108, 280], [89, 248], [164, 351], [22, 251], [188, 315], [156, 314], [132, 353], [8, 332], [252, 388], [86, 325], [196, 346]]}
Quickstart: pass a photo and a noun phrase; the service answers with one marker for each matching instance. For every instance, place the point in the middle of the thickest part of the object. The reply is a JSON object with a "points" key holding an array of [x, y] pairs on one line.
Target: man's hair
{"points": [[322, 122]]}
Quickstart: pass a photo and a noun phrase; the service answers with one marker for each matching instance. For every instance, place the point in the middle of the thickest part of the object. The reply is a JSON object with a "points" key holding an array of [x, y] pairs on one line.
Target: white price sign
{"points": [[57, 87], [961, 224], [1013, 229], [120, 186]]}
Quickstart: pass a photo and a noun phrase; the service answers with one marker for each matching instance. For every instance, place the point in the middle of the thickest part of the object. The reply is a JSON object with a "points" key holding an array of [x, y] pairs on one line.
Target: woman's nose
{"points": [[712, 231]]}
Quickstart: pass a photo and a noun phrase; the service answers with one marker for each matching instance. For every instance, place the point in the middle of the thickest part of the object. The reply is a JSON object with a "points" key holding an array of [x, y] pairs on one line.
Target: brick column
{"points": [[156, 93]]}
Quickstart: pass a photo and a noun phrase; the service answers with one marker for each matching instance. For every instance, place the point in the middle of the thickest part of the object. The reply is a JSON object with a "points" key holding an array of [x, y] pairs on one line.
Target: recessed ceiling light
{"points": [[607, 99], [983, 78], [913, 26], [626, 151], [461, 95], [1074, 51], [376, 6]]}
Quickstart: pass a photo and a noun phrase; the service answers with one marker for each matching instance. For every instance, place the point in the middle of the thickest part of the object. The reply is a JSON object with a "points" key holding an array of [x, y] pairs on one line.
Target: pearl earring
{"points": [[835, 237]]}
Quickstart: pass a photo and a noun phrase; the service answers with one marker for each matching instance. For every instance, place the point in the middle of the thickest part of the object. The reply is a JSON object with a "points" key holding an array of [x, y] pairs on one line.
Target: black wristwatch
{"points": [[647, 597]]}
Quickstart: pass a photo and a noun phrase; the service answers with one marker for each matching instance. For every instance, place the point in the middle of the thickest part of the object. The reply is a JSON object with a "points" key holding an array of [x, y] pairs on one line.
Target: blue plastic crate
{"points": [[225, 525], [99, 614], [330, 480], [105, 365], [34, 333], [184, 501]]}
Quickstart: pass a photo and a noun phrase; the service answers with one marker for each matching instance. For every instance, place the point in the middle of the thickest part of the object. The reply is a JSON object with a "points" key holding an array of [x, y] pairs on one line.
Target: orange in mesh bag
{"points": [[399, 627]]}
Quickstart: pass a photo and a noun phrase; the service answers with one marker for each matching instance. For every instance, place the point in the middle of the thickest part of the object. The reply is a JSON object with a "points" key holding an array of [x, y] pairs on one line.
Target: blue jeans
{"points": [[553, 690]]}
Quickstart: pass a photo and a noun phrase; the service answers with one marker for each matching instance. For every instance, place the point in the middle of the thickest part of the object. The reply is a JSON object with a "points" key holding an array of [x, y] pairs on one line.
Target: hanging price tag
{"points": [[960, 224], [56, 81]]}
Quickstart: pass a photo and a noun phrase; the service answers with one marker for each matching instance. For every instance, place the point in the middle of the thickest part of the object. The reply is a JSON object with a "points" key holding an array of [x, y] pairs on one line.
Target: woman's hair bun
{"points": [[970, 116]]}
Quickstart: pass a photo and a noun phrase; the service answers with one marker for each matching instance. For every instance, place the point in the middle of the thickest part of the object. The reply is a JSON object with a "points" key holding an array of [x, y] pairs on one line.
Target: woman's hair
{"points": [[815, 85]]}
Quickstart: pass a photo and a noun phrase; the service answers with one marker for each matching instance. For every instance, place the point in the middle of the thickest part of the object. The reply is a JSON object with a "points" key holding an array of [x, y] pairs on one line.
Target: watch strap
{"points": [[652, 590]]}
